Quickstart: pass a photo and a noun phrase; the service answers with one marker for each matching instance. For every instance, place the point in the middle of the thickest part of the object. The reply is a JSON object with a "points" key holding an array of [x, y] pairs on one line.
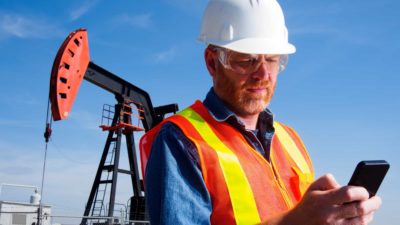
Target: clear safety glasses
{"points": [[249, 63]]}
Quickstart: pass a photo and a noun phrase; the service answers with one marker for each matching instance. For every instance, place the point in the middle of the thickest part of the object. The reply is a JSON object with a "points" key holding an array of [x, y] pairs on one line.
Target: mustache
{"points": [[257, 84]]}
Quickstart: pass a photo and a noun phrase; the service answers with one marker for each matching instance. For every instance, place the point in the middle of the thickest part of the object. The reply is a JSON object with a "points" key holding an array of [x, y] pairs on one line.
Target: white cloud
{"points": [[86, 119], [82, 9], [16, 123], [22, 26], [165, 56], [22, 97], [143, 21]]}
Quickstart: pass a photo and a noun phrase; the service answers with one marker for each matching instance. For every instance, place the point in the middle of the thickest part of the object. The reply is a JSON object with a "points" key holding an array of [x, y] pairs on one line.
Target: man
{"points": [[224, 160]]}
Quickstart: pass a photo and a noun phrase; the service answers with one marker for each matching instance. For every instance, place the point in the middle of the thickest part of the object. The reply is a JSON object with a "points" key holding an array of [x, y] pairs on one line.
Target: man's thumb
{"points": [[326, 182]]}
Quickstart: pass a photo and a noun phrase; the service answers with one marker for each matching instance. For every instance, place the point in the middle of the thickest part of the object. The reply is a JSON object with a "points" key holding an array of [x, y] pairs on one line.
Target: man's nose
{"points": [[262, 71]]}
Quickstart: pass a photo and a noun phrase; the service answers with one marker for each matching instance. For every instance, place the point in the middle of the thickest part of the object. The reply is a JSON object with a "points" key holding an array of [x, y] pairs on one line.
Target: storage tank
{"points": [[35, 198]]}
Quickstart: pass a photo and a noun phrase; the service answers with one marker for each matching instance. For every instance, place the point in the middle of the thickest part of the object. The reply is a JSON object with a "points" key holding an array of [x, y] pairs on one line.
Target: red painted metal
{"points": [[126, 126], [68, 70]]}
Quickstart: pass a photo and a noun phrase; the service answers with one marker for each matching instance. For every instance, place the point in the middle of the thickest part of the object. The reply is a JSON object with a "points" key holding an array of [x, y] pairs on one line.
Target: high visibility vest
{"points": [[244, 187]]}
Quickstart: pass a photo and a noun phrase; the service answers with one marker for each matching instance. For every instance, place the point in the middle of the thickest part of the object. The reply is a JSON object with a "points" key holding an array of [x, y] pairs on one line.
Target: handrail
{"points": [[19, 185]]}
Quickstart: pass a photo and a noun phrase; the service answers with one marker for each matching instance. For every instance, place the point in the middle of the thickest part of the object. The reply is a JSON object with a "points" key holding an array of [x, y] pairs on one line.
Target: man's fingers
{"points": [[348, 194], [324, 183], [357, 209], [362, 220]]}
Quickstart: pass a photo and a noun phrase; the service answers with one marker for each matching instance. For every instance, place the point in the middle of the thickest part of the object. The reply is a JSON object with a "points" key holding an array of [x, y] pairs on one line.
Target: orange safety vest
{"points": [[244, 187]]}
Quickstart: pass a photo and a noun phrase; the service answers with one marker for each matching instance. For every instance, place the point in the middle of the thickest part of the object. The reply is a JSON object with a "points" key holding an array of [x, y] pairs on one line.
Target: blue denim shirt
{"points": [[175, 189]]}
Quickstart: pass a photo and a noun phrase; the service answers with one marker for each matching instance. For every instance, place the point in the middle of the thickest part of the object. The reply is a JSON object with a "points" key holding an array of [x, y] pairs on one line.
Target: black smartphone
{"points": [[369, 174]]}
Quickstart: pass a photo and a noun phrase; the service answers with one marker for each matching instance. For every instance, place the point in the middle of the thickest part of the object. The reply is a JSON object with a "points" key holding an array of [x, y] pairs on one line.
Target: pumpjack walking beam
{"points": [[124, 90], [71, 65]]}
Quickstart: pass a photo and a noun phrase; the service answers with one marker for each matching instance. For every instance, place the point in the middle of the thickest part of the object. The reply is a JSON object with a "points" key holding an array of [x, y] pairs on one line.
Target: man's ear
{"points": [[210, 58]]}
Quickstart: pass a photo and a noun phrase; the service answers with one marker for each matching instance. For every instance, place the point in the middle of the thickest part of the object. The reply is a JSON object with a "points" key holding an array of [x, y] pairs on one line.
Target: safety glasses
{"points": [[249, 63]]}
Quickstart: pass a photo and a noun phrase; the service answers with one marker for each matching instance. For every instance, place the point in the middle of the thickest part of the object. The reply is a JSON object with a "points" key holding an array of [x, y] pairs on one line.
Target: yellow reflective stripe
{"points": [[291, 148], [241, 195]]}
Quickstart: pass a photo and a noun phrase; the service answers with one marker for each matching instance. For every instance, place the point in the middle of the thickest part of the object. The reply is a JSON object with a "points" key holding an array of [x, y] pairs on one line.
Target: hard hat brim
{"points": [[257, 46]]}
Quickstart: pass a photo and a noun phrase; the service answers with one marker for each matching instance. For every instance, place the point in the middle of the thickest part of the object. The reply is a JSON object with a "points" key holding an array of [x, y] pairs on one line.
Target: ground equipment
{"points": [[71, 65]]}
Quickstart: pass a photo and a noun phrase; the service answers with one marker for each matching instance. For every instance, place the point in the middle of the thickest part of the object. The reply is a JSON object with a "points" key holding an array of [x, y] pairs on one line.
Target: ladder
{"points": [[105, 183]]}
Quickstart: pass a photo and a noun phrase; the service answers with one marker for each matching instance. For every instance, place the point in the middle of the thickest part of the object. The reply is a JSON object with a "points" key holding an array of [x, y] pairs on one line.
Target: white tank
{"points": [[35, 199]]}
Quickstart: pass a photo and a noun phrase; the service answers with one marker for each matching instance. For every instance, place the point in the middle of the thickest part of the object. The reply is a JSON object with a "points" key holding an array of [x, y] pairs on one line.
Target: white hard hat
{"points": [[247, 26]]}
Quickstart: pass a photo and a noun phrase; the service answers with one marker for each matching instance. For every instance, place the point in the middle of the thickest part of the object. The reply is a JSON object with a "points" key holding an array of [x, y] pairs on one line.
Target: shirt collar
{"points": [[216, 107]]}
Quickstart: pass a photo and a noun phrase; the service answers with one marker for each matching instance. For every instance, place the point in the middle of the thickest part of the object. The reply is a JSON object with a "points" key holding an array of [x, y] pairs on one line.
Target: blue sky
{"points": [[340, 90]]}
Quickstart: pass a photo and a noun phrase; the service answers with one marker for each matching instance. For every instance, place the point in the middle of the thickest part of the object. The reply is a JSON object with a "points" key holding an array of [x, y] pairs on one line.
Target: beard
{"points": [[238, 97]]}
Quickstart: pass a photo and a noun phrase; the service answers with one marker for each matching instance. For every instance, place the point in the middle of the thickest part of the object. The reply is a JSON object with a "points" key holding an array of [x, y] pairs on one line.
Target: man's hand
{"points": [[327, 203]]}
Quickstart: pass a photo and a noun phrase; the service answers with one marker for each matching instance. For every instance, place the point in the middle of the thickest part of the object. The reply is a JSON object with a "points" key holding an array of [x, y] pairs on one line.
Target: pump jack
{"points": [[71, 65]]}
